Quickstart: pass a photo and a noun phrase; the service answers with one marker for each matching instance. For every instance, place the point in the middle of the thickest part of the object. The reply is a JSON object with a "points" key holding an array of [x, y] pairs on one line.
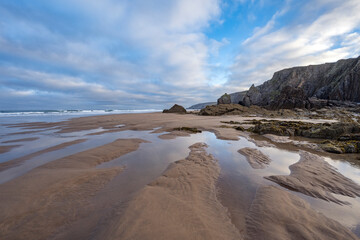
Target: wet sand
{"points": [[316, 178], [17, 161], [4, 149], [35, 205], [187, 201], [21, 140], [180, 204], [276, 214], [255, 157]]}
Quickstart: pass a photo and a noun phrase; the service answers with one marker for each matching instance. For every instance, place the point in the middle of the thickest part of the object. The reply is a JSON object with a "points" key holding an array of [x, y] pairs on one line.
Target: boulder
{"points": [[331, 148], [175, 109]]}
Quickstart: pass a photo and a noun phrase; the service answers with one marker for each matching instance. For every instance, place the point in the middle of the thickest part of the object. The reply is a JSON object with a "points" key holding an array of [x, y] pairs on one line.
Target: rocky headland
{"points": [[314, 86]]}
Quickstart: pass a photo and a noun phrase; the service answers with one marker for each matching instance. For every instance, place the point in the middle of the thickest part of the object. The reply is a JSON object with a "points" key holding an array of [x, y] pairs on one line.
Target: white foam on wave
{"points": [[72, 112]]}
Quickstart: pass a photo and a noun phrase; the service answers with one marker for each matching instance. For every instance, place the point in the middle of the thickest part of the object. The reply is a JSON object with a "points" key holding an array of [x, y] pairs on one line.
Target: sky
{"points": [[151, 54]]}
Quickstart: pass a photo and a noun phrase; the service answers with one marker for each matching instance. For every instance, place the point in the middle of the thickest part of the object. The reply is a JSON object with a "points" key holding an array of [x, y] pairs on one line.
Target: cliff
{"points": [[307, 87]]}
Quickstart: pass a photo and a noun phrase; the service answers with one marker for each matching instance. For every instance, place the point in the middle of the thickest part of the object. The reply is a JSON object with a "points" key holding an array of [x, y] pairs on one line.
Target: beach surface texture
{"points": [[170, 176]]}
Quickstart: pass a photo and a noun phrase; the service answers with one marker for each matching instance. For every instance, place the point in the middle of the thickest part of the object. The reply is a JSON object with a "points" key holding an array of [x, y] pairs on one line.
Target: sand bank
{"points": [[255, 157], [313, 176], [180, 204], [277, 214]]}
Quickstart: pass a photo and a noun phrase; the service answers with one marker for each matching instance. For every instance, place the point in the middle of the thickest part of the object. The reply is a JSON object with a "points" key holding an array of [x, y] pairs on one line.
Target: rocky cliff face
{"points": [[224, 99], [302, 86], [232, 98]]}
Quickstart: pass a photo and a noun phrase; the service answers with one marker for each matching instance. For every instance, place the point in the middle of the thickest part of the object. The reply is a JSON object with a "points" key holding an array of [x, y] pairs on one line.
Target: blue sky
{"points": [[136, 54]]}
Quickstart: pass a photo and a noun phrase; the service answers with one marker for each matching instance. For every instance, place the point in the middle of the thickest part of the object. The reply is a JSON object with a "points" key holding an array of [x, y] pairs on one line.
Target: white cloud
{"points": [[19, 93], [329, 37], [116, 48]]}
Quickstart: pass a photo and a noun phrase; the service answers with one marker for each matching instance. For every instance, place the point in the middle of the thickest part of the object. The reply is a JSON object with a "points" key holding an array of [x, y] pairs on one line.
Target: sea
{"points": [[23, 116]]}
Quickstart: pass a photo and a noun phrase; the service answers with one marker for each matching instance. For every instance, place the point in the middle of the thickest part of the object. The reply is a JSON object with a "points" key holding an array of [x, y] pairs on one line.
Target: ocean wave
{"points": [[72, 112]]}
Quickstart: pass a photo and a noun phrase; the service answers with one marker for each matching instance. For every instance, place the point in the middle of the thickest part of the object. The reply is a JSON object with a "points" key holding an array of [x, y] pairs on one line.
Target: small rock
{"points": [[330, 147], [350, 148]]}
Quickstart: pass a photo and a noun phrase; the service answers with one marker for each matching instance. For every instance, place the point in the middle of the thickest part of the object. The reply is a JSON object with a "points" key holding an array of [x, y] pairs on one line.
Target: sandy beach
{"points": [[182, 119], [171, 176]]}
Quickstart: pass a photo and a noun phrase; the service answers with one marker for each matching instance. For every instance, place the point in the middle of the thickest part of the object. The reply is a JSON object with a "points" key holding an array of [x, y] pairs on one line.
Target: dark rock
{"points": [[335, 131], [230, 122], [237, 97], [350, 148], [175, 109], [290, 98], [224, 99], [343, 137], [318, 103], [246, 101], [268, 128], [327, 132], [224, 109], [331, 148], [349, 137], [188, 129], [253, 96], [341, 146], [239, 128]]}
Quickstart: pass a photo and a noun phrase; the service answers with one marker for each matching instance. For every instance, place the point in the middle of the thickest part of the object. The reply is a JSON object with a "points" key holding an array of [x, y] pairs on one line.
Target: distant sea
{"points": [[58, 115]]}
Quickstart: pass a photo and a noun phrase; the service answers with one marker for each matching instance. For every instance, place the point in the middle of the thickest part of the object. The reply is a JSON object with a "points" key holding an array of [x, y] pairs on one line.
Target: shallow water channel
{"points": [[237, 184]]}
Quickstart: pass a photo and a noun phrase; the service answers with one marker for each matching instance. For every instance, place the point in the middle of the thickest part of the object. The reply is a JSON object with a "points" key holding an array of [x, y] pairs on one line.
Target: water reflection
{"points": [[238, 181], [346, 168]]}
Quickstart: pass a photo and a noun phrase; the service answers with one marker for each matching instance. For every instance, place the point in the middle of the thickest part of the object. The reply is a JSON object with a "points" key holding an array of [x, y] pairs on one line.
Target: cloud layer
{"points": [[150, 54], [136, 53]]}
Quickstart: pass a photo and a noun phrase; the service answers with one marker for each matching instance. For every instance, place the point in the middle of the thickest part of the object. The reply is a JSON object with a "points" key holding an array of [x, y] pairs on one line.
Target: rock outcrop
{"points": [[236, 98], [232, 109], [290, 98], [175, 109], [224, 99], [341, 137], [313, 86], [252, 97]]}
